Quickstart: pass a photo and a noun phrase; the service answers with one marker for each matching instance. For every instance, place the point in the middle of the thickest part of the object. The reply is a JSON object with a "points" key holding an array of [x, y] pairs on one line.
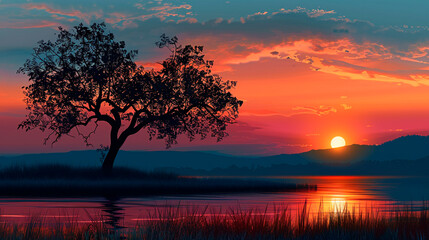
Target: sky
{"points": [[306, 70]]}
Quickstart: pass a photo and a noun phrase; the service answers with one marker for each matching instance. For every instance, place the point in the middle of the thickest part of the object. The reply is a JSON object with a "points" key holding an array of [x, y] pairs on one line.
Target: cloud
{"points": [[189, 20], [317, 37], [168, 7], [309, 12], [319, 110], [346, 106], [30, 24], [120, 15], [331, 57], [341, 47], [69, 15], [165, 12]]}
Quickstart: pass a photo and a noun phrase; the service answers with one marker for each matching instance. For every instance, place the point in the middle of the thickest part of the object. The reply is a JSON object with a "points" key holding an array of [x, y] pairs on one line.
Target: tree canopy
{"points": [[87, 76]]}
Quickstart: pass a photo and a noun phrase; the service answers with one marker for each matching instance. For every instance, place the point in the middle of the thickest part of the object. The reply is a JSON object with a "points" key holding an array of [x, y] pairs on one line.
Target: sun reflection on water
{"points": [[337, 205], [334, 195]]}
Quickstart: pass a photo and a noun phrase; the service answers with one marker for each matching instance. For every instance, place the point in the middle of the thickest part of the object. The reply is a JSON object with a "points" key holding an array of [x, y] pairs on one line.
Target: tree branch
{"points": [[145, 122]]}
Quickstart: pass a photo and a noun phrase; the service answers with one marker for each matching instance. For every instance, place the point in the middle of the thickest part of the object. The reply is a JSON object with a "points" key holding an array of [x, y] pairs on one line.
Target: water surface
{"points": [[333, 194]]}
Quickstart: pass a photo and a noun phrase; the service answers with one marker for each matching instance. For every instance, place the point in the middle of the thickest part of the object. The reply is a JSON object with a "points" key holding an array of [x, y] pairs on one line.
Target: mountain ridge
{"points": [[410, 147]]}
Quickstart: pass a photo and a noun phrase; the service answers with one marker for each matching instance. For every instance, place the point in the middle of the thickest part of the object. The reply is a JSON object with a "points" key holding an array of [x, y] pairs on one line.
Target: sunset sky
{"points": [[307, 70]]}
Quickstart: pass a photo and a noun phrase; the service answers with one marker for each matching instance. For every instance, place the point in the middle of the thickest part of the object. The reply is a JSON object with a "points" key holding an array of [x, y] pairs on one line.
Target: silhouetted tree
{"points": [[86, 76]]}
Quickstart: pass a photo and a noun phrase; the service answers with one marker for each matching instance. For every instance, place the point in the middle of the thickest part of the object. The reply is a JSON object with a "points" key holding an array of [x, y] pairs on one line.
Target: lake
{"points": [[333, 194]]}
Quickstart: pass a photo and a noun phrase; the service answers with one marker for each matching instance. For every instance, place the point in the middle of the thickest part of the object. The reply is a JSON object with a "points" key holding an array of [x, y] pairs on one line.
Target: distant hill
{"points": [[404, 148], [407, 147], [147, 160], [417, 167]]}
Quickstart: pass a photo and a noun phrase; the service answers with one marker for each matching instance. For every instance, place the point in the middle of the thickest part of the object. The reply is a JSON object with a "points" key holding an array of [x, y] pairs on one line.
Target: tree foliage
{"points": [[87, 76]]}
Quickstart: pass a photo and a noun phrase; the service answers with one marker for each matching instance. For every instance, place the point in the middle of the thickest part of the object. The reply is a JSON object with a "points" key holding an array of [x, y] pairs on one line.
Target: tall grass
{"points": [[205, 223], [286, 224]]}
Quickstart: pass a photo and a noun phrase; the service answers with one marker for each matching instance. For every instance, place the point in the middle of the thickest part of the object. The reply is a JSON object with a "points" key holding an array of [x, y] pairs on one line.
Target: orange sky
{"points": [[305, 75]]}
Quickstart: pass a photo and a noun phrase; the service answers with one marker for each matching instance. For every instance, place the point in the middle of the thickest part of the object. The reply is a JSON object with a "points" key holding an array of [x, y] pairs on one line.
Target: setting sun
{"points": [[338, 142]]}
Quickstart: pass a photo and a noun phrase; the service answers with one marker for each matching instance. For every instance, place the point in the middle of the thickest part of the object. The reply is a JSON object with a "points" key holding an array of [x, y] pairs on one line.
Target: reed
{"points": [[206, 223]]}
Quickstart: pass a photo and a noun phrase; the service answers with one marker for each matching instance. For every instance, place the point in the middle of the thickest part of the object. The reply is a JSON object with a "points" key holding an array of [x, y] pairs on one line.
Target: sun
{"points": [[338, 142]]}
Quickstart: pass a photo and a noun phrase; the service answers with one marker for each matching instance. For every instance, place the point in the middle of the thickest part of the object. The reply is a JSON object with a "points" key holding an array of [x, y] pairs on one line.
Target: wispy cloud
{"points": [[59, 14], [122, 16], [169, 7], [346, 106], [309, 12], [341, 58], [319, 110], [29, 24]]}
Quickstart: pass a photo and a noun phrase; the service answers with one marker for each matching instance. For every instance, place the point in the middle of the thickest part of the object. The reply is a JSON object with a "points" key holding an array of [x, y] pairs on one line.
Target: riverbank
{"points": [[65, 181]]}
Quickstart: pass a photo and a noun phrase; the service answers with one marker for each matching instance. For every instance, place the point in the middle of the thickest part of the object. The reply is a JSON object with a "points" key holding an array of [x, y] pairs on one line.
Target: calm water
{"points": [[333, 194]]}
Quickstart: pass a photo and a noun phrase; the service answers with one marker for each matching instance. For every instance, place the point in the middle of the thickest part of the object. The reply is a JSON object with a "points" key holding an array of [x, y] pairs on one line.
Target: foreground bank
{"points": [[239, 224]]}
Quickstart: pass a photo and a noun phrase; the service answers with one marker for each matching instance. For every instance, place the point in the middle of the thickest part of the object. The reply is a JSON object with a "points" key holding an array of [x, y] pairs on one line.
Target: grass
{"points": [[200, 223], [65, 181]]}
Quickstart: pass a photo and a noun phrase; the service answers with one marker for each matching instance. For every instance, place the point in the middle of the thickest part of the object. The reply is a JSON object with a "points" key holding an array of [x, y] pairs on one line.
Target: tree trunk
{"points": [[115, 144], [110, 157]]}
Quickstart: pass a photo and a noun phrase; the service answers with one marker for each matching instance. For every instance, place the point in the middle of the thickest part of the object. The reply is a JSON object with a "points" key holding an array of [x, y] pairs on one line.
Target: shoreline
{"points": [[66, 181], [133, 188]]}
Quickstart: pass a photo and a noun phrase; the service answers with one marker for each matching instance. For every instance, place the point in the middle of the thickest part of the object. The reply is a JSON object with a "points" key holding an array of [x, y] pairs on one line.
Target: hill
{"points": [[411, 147], [404, 148]]}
